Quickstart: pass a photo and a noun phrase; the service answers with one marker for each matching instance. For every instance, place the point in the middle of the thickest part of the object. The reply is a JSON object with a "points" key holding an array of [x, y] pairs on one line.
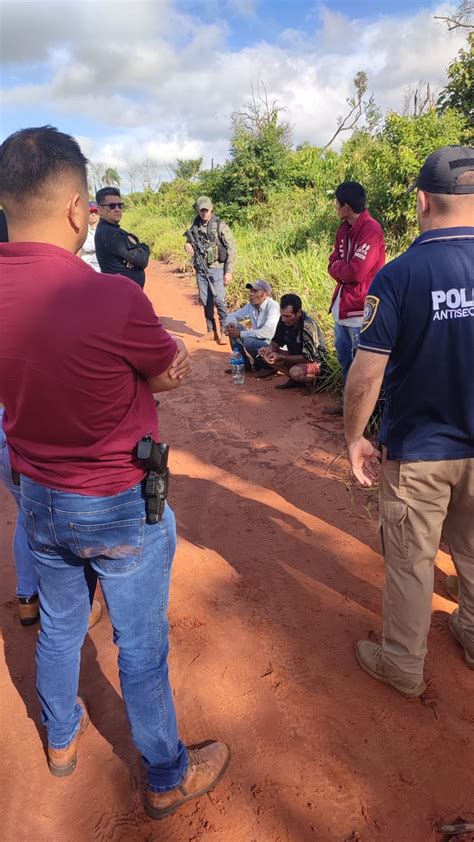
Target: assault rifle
{"points": [[200, 257]]}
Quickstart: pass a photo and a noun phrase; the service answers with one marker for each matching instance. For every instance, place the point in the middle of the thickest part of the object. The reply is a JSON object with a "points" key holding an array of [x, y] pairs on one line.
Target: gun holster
{"points": [[154, 456]]}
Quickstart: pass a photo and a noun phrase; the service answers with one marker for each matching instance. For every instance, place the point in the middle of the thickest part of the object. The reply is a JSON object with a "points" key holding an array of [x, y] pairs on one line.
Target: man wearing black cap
{"points": [[216, 238], [418, 332], [263, 313]]}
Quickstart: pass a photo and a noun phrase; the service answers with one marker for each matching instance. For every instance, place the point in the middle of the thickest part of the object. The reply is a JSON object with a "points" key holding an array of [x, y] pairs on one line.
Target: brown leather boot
{"points": [[207, 764], [29, 609], [63, 761]]}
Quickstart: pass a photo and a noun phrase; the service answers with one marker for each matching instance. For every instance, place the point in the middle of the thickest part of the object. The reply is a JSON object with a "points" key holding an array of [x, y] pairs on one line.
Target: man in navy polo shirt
{"points": [[418, 331]]}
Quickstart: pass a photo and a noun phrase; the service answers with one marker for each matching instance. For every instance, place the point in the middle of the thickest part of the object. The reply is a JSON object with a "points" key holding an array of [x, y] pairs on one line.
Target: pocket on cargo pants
{"points": [[393, 531]]}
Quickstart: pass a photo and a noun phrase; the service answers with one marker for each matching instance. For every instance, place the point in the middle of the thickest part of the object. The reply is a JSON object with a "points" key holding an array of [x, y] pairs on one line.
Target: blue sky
{"points": [[164, 81], [267, 19]]}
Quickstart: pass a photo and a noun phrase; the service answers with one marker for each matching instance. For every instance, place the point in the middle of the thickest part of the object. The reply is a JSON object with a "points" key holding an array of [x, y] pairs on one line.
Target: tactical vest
{"points": [[210, 236]]}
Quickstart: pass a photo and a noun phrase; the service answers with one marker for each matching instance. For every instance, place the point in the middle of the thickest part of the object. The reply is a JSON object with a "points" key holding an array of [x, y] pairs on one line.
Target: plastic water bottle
{"points": [[237, 365]]}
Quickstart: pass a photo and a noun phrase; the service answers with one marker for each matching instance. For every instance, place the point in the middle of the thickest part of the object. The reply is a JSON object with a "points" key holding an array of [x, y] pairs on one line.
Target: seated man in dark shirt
{"points": [[304, 343], [118, 252]]}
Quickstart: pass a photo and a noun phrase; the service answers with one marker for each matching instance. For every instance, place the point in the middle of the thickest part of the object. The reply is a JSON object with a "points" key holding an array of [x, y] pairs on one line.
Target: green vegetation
{"points": [[280, 201]]}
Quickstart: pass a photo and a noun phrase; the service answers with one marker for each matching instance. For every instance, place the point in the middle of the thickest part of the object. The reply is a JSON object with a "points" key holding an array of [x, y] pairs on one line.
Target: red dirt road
{"points": [[277, 575]]}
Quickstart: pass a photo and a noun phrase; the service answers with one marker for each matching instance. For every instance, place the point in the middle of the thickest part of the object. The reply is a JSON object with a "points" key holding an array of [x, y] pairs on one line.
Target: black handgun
{"points": [[154, 456]]}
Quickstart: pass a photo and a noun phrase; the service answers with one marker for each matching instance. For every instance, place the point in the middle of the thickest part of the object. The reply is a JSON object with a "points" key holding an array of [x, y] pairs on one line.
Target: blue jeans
{"points": [[249, 344], [133, 562], [346, 340], [208, 300], [26, 578]]}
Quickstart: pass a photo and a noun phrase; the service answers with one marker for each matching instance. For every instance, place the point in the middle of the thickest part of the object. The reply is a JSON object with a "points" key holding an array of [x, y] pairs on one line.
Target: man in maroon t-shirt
{"points": [[79, 363]]}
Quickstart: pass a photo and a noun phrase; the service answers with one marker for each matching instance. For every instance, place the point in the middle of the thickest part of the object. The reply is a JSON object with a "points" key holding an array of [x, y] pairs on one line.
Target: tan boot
{"points": [[458, 634], [29, 609], [370, 657], [207, 764], [96, 613], [451, 586], [63, 761]]}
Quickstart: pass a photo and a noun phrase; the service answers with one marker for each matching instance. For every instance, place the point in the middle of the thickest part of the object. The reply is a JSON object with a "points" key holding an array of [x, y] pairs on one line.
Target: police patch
{"points": [[370, 310]]}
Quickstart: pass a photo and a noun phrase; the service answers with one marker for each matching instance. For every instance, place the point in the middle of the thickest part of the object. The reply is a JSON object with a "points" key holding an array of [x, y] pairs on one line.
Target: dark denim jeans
{"points": [[208, 300], [346, 341], [133, 562]]}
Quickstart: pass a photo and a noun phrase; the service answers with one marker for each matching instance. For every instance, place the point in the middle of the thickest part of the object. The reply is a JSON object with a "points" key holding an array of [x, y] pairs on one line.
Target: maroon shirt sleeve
{"points": [[364, 260], [146, 345]]}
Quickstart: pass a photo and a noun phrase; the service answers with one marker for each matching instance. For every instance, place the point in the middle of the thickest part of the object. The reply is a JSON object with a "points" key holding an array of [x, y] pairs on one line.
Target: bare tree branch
{"points": [[462, 19], [148, 172], [418, 100], [259, 112], [358, 107]]}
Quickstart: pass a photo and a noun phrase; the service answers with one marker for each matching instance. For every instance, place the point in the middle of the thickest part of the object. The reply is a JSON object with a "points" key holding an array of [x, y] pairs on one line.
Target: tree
{"points": [[260, 150], [148, 173], [95, 175], [459, 92], [418, 100], [187, 169], [111, 178], [258, 113], [358, 107], [463, 18]]}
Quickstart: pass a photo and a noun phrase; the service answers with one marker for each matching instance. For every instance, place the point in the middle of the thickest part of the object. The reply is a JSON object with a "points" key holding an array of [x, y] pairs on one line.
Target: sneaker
{"points": [[63, 761], [370, 657], [207, 764], [451, 586], [29, 609], [458, 634], [265, 373]]}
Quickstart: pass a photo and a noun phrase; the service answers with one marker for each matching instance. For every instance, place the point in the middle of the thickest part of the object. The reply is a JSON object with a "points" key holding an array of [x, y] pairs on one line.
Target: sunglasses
{"points": [[112, 205]]}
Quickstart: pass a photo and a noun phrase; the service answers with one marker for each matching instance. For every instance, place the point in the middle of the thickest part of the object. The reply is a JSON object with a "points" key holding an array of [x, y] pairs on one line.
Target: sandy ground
{"points": [[277, 575]]}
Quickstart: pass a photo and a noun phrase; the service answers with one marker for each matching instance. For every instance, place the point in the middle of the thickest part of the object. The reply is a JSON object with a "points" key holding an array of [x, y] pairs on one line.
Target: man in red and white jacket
{"points": [[358, 254]]}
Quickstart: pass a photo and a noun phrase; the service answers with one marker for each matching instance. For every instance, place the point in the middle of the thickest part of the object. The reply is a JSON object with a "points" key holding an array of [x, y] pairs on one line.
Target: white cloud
{"points": [[160, 83]]}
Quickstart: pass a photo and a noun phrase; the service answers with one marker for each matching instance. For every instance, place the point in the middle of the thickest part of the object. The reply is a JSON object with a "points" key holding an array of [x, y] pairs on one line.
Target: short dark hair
{"points": [[106, 191], [291, 300], [353, 194], [31, 157]]}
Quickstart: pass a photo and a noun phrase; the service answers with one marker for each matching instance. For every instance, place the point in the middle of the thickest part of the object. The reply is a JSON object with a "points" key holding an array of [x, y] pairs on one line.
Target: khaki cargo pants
{"points": [[417, 501]]}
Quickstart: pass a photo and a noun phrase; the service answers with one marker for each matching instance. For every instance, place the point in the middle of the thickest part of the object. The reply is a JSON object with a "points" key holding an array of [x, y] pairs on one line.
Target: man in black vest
{"points": [[216, 237], [118, 252]]}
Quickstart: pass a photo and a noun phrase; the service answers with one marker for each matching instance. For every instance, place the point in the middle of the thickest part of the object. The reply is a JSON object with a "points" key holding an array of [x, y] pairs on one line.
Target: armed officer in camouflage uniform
{"points": [[219, 244]]}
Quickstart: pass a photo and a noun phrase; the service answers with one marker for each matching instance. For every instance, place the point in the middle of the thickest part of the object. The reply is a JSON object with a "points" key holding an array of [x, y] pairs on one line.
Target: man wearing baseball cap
{"points": [[218, 244], [418, 333], [263, 313]]}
